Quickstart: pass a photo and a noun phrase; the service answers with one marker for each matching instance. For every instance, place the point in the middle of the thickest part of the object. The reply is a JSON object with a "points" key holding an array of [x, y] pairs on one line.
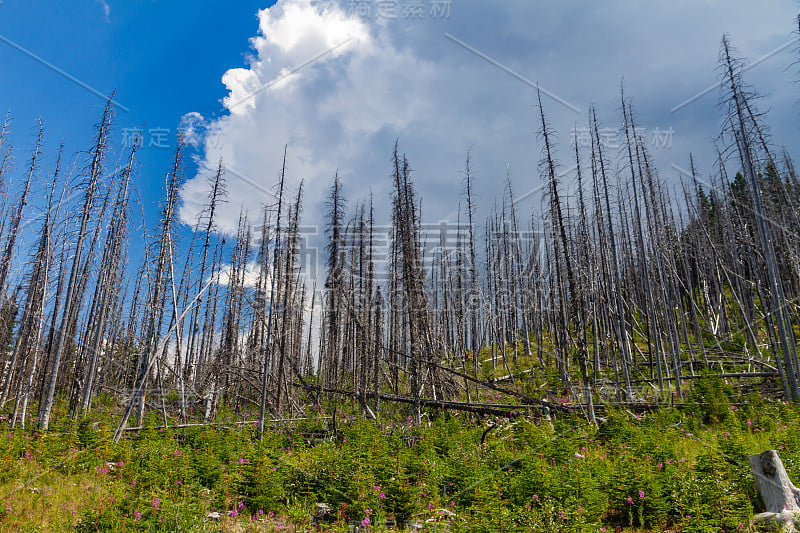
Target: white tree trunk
{"points": [[780, 497]]}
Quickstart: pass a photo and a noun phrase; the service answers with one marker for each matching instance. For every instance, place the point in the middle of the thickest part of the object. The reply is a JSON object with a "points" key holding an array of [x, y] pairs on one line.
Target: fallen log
{"points": [[490, 385], [506, 411], [226, 425], [739, 375]]}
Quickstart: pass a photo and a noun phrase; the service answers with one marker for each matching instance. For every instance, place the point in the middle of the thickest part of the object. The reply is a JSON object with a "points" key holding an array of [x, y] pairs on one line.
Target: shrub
{"points": [[710, 398]]}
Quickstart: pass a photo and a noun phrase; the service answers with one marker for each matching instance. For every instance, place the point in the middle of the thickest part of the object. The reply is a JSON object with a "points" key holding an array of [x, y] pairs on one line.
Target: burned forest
{"points": [[624, 287], [609, 344]]}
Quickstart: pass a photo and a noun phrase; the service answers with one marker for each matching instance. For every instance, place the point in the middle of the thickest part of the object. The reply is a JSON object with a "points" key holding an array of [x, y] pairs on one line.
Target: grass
{"points": [[667, 471]]}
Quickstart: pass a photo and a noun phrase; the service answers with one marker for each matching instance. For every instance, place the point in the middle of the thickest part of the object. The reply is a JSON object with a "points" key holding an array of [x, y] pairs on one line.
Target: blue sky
{"points": [[442, 79], [163, 58]]}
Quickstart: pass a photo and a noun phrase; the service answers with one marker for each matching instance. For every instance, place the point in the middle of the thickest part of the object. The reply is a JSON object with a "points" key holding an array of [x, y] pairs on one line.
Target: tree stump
{"points": [[780, 497]]}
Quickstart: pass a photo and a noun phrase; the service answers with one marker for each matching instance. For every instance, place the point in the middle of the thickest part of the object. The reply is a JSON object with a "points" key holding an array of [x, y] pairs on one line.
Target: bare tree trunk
{"points": [[276, 254], [71, 304]]}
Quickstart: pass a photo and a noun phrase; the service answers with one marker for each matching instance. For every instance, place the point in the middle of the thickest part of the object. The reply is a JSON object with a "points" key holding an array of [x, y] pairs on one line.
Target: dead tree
{"points": [[741, 123], [152, 332], [215, 197], [29, 339], [780, 497], [268, 343], [71, 304], [16, 217], [621, 328], [108, 281]]}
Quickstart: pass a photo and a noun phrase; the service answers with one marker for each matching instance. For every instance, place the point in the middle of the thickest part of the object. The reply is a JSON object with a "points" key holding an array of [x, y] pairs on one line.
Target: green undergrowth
{"points": [[667, 471]]}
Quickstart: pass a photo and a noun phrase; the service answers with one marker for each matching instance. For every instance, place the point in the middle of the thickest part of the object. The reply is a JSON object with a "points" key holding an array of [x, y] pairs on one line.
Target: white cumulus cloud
{"points": [[338, 87]]}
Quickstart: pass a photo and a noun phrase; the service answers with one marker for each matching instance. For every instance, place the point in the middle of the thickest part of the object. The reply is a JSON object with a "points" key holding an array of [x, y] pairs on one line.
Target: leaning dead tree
{"points": [[108, 286], [22, 365], [71, 301]]}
